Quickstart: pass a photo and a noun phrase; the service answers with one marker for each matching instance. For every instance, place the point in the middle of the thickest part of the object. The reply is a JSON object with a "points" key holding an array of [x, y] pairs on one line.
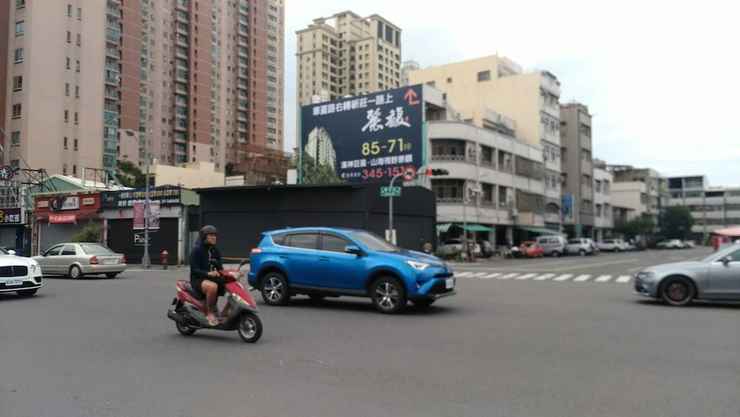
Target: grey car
{"points": [[716, 277], [76, 260]]}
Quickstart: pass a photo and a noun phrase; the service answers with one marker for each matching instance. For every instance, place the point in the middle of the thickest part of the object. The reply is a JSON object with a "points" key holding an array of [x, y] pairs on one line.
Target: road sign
{"points": [[409, 174], [390, 191]]}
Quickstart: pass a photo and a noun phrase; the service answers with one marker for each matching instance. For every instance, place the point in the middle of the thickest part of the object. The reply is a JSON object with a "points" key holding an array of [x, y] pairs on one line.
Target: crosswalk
{"points": [[521, 276]]}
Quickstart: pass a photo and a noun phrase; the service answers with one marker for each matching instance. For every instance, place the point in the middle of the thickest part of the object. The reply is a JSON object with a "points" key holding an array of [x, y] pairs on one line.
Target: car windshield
{"points": [[721, 253], [3, 251], [374, 242], [95, 249]]}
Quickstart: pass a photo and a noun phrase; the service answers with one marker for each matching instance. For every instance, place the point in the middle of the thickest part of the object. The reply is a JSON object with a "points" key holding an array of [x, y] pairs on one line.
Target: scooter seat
{"points": [[185, 286]]}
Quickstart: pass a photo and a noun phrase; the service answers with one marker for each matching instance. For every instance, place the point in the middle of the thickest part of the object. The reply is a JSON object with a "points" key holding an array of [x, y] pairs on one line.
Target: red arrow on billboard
{"points": [[411, 97]]}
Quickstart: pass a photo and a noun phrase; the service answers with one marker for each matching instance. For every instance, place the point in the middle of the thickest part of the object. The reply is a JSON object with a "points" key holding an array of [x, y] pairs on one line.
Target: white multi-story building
{"points": [[712, 208], [603, 209]]}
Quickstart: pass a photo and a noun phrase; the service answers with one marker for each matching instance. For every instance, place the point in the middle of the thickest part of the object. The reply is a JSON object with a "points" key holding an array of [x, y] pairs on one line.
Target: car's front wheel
{"points": [[388, 295], [582, 252], [28, 293], [275, 291], [677, 291]]}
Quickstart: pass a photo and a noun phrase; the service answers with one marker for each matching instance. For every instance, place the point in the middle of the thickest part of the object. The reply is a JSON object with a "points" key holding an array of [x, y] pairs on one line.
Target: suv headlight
{"points": [[34, 268], [646, 275], [419, 266]]}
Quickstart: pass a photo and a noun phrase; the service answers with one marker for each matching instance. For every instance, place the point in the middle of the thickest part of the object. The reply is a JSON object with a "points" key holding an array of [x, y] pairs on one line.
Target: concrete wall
{"points": [[195, 175]]}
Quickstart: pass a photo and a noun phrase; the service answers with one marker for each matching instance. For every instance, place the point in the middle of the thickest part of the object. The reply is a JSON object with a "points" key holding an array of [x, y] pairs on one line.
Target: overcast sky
{"points": [[662, 78]]}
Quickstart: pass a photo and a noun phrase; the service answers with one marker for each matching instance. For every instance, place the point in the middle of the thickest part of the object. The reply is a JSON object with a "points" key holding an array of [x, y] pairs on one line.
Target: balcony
{"points": [[113, 53], [113, 35], [112, 78]]}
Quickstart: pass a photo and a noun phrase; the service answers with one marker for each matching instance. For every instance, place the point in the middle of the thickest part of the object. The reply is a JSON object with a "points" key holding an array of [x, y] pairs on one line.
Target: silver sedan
{"points": [[716, 277], [76, 260]]}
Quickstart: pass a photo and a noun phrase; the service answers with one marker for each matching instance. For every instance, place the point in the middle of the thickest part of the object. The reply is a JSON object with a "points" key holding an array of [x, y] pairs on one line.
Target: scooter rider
{"points": [[205, 267]]}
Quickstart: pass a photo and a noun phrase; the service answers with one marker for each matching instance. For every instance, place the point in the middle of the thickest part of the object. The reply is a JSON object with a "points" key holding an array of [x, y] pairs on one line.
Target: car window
{"points": [[333, 243], [374, 242], [69, 250], [734, 256], [575, 241], [302, 240], [53, 251], [95, 249], [279, 239]]}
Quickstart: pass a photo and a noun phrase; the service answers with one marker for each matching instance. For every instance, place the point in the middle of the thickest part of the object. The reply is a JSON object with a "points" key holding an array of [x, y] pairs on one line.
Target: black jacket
{"points": [[204, 259]]}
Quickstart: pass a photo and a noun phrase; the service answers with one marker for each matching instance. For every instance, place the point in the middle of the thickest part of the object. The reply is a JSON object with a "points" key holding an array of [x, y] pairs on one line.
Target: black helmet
{"points": [[207, 230]]}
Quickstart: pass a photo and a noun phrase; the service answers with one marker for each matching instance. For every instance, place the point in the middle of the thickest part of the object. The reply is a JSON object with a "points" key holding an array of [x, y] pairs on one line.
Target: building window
{"points": [[65, 143], [19, 28], [79, 40], [66, 116], [69, 37], [68, 63], [76, 144], [20, 4], [77, 66], [79, 13], [15, 138], [484, 76], [17, 111], [449, 80], [77, 91], [74, 170], [66, 89], [77, 119], [69, 10], [18, 83], [18, 55]]}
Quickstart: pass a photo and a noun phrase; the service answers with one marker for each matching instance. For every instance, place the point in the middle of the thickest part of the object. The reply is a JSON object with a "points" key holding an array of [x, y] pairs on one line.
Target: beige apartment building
{"points": [[578, 168], [487, 89], [642, 190], [346, 54], [603, 208], [198, 80]]}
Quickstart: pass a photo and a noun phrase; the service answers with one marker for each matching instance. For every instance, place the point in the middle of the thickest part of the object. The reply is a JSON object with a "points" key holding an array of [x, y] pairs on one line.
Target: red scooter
{"points": [[188, 314]]}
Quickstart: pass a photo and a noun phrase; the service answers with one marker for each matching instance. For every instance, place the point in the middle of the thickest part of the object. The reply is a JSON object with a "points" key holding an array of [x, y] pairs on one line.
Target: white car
{"points": [[581, 246], [19, 275], [613, 245], [671, 244]]}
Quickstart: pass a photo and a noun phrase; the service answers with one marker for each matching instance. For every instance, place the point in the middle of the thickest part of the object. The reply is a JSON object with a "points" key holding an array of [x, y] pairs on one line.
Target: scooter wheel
{"points": [[184, 329], [250, 327]]}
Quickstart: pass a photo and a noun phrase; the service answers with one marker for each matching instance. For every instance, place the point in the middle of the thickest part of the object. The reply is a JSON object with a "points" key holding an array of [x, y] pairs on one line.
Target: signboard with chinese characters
{"points": [[11, 216], [367, 138], [166, 196]]}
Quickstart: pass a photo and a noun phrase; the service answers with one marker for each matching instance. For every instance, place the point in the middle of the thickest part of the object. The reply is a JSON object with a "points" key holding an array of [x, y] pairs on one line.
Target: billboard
{"points": [[366, 138]]}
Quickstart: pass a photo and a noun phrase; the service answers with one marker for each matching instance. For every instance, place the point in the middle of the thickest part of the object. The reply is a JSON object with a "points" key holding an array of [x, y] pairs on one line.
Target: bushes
{"points": [[89, 233]]}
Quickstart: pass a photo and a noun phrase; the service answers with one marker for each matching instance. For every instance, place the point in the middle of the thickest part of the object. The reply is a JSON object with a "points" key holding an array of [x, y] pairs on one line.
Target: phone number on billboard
{"points": [[390, 146], [387, 172]]}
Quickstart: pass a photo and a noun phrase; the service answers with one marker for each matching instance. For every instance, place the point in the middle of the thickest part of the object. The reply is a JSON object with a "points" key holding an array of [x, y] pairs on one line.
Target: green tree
{"points": [[318, 174], [129, 175], [639, 226], [676, 222], [89, 233]]}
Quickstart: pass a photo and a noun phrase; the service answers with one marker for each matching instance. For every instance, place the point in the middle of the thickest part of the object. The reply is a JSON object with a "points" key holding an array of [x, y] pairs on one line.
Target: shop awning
{"points": [[730, 231], [539, 230], [444, 227]]}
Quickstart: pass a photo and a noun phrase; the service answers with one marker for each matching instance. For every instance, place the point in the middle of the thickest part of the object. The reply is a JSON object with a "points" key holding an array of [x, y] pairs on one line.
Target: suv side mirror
{"points": [[11, 252], [353, 249]]}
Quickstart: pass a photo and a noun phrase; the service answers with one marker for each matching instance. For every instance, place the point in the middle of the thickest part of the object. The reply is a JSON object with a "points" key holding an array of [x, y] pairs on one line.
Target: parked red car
{"points": [[532, 250]]}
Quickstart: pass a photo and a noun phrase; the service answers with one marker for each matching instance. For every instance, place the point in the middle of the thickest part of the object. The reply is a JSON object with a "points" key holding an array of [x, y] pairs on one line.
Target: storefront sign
{"points": [[42, 204], [62, 218], [140, 215], [88, 201], [11, 216], [69, 202], [165, 196]]}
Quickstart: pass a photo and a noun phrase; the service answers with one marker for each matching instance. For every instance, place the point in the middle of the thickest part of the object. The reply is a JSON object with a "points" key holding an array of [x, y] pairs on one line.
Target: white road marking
{"points": [[479, 275], [544, 277], [581, 278], [597, 263], [526, 276], [489, 276], [563, 277], [463, 274], [603, 278], [508, 276], [624, 278]]}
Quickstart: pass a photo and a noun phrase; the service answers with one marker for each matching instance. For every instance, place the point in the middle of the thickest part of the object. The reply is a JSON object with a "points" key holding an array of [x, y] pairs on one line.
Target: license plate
{"points": [[450, 283], [110, 261], [13, 282]]}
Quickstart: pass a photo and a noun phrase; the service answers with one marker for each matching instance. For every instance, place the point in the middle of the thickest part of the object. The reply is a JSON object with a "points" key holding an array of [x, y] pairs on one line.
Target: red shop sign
{"points": [[62, 218]]}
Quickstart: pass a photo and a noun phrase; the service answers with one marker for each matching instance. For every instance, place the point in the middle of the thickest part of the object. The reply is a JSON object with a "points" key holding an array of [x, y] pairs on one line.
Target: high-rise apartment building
{"points": [[578, 169], [198, 80], [484, 89], [347, 54]]}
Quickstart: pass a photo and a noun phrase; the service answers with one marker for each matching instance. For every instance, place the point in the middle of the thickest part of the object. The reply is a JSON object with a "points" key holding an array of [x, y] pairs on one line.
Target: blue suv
{"points": [[321, 262]]}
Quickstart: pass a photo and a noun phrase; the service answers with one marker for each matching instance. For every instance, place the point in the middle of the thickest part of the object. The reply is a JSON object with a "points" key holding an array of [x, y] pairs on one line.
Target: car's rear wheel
{"points": [[388, 295], [75, 272], [28, 293], [557, 254], [275, 291], [677, 291]]}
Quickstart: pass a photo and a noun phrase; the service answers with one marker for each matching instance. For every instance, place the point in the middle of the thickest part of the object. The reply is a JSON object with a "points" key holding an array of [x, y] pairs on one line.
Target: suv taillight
{"points": [[94, 260]]}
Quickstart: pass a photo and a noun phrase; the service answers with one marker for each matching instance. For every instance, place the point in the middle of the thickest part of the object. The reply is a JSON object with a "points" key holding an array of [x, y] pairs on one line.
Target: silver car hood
{"points": [[677, 266]]}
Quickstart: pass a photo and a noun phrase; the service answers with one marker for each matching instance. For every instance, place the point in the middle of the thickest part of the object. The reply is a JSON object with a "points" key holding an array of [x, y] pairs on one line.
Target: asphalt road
{"points": [[514, 348]]}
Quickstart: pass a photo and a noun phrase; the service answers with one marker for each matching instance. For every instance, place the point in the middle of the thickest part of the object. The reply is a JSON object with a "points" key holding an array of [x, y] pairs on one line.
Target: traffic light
{"points": [[439, 172]]}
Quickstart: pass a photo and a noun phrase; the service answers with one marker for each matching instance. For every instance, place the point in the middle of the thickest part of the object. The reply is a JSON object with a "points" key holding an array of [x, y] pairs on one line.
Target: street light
{"points": [[145, 260]]}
